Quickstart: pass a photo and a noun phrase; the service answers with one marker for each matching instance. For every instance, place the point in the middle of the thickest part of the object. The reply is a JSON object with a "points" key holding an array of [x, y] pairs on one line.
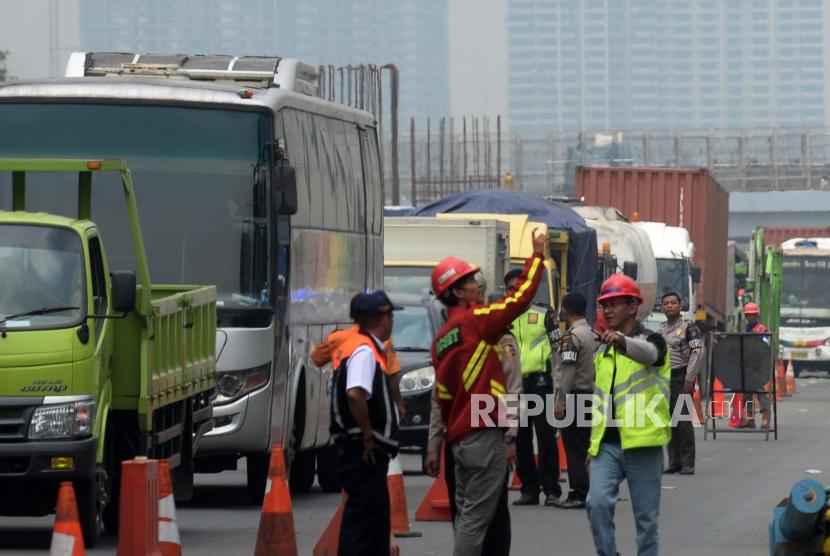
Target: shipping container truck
{"points": [[777, 236], [624, 249], [412, 246], [678, 197], [95, 369]]}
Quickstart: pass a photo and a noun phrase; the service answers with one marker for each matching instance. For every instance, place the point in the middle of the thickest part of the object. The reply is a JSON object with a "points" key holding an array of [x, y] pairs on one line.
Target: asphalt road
{"points": [[724, 509]]}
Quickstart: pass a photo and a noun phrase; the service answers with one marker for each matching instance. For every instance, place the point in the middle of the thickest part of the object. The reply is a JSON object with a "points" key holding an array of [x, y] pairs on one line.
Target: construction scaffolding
{"points": [[468, 153]]}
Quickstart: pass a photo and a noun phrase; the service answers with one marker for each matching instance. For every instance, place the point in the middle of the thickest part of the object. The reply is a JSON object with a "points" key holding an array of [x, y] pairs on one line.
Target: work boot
{"points": [[672, 470], [687, 470], [570, 504], [527, 500], [551, 499]]}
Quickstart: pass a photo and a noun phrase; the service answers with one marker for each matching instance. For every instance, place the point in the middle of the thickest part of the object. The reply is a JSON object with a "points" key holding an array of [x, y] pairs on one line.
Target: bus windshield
{"points": [[804, 283], [194, 174]]}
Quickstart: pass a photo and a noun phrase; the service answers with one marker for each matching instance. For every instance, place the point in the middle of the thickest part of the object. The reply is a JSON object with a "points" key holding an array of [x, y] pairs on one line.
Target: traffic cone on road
{"points": [[169, 541], [563, 458], [780, 381], [397, 500], [329, 541], [436, 504], [276, 525], [717, 405], [67, 539], [736, 412], [790, 378]]}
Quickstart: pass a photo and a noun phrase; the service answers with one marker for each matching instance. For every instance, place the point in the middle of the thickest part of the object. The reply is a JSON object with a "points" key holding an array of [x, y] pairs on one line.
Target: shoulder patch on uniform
{"points": [[450, 339], [508, 346], [567, 349], [532, 317]]}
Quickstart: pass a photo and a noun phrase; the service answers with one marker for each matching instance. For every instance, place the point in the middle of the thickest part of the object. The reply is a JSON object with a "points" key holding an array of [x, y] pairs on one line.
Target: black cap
{"points": [[371, 305]]}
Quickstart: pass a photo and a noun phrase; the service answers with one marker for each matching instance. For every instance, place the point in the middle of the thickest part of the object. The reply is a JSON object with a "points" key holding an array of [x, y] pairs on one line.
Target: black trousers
{"points": [[366, 523], [547, 473], [497, 538], [681, 447], [576, 441]]}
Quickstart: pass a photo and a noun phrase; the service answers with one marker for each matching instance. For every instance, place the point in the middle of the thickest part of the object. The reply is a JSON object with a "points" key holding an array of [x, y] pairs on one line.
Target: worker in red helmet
{"points": [[469, 381], [752, 315], [631, 419]]}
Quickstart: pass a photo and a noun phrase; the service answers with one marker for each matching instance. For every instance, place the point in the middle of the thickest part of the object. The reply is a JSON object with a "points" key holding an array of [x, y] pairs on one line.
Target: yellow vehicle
{"points": [[555, 281]]}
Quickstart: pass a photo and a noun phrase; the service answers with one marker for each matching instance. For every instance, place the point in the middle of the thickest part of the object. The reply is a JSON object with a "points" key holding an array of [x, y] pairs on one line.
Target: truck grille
{"points": [[14, 419]]}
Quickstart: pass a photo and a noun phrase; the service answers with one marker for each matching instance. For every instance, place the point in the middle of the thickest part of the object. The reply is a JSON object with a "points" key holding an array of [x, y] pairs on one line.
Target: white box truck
{"points": [[413, 245]]}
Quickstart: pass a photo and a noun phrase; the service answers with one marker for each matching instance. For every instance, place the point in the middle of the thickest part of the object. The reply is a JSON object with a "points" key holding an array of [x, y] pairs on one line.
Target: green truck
{"points": [[96, 366]]}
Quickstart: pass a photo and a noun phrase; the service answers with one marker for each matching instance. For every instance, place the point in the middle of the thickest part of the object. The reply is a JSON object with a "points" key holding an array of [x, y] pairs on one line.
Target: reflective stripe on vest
{"points": [[640, 401]]}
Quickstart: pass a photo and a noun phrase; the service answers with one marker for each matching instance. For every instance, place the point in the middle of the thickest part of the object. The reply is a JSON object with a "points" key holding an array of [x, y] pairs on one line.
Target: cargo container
{"points": [[777, 236], [686, 198]]}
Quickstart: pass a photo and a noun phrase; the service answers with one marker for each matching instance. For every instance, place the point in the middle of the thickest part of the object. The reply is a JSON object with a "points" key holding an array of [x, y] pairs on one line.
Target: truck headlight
{"points": [[419, 379], [62, 420], [232, 385]]}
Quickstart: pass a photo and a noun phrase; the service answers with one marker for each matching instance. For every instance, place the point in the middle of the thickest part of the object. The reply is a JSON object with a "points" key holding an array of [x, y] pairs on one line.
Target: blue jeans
{"points": [[643, 468]]}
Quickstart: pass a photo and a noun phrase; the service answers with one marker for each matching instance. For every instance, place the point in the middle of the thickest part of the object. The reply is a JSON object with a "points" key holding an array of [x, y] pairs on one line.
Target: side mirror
{"points": [[630, 269], [123, 290], [283, 188], [695, 275]]}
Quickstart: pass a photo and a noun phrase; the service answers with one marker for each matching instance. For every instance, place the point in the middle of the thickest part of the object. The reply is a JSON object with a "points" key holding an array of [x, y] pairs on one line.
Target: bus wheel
{"points": [[327, 472]]}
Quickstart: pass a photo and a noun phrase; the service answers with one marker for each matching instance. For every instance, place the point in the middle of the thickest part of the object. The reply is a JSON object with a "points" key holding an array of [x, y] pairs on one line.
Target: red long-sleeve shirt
{"points": [[464, 355]]}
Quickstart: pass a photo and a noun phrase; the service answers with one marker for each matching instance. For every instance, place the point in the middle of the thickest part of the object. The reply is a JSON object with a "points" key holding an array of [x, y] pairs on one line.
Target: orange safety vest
{"points": [[324, 353]]}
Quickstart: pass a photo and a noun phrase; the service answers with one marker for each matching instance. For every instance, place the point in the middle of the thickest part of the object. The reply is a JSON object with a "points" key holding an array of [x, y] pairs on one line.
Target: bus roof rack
{"points": [[253, 71]]}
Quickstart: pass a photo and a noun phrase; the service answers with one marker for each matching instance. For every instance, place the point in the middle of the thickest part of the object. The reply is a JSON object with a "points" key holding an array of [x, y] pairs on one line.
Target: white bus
{"points": [[212, 142], [805, 304]]}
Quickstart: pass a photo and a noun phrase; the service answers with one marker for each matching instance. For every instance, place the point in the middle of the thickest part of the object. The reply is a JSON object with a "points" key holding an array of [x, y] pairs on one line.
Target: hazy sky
{"points": [[478, 48]]}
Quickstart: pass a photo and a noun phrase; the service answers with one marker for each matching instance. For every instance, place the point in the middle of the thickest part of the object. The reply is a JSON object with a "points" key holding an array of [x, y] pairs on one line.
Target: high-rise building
{"points": [[413, 34], [629, 64]]}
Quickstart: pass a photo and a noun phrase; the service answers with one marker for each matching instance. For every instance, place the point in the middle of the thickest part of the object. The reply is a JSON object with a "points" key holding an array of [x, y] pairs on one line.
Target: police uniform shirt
{"points": [[684, 343], [575, 364]]}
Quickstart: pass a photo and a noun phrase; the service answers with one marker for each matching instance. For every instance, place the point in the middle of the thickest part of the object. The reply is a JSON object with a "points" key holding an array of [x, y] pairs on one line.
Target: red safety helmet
{"points": [[448, 272], [619, 285], [751, 309]]}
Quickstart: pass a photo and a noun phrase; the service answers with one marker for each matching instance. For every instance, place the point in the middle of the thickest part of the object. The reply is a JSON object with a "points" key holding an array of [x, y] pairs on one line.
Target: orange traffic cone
{"points": [[436, 504], [169, 541], [276, 525], [397, 500], [698, 409], [329, 541], [736, 411], [717, 405], [67, 539], [790, 378], [517, 482], [563, 458], [780, 380]]}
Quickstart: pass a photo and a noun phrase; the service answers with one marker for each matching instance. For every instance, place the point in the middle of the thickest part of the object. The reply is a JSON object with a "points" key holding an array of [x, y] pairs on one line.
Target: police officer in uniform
{"points": [[684, 345], [531, 331], [364, 425], [575, 377]]}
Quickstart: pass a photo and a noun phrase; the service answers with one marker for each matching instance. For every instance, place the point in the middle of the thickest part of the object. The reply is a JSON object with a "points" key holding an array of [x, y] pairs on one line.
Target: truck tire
{"points": [[301, 477], [90, 511], [182, 475], [257, 475], [327, 471]]}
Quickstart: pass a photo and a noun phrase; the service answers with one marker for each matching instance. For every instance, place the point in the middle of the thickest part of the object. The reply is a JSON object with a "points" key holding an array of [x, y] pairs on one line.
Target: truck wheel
{"points": [[302, 472], [182, 475], [327, 472], [90, 511], [257, 473]]}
